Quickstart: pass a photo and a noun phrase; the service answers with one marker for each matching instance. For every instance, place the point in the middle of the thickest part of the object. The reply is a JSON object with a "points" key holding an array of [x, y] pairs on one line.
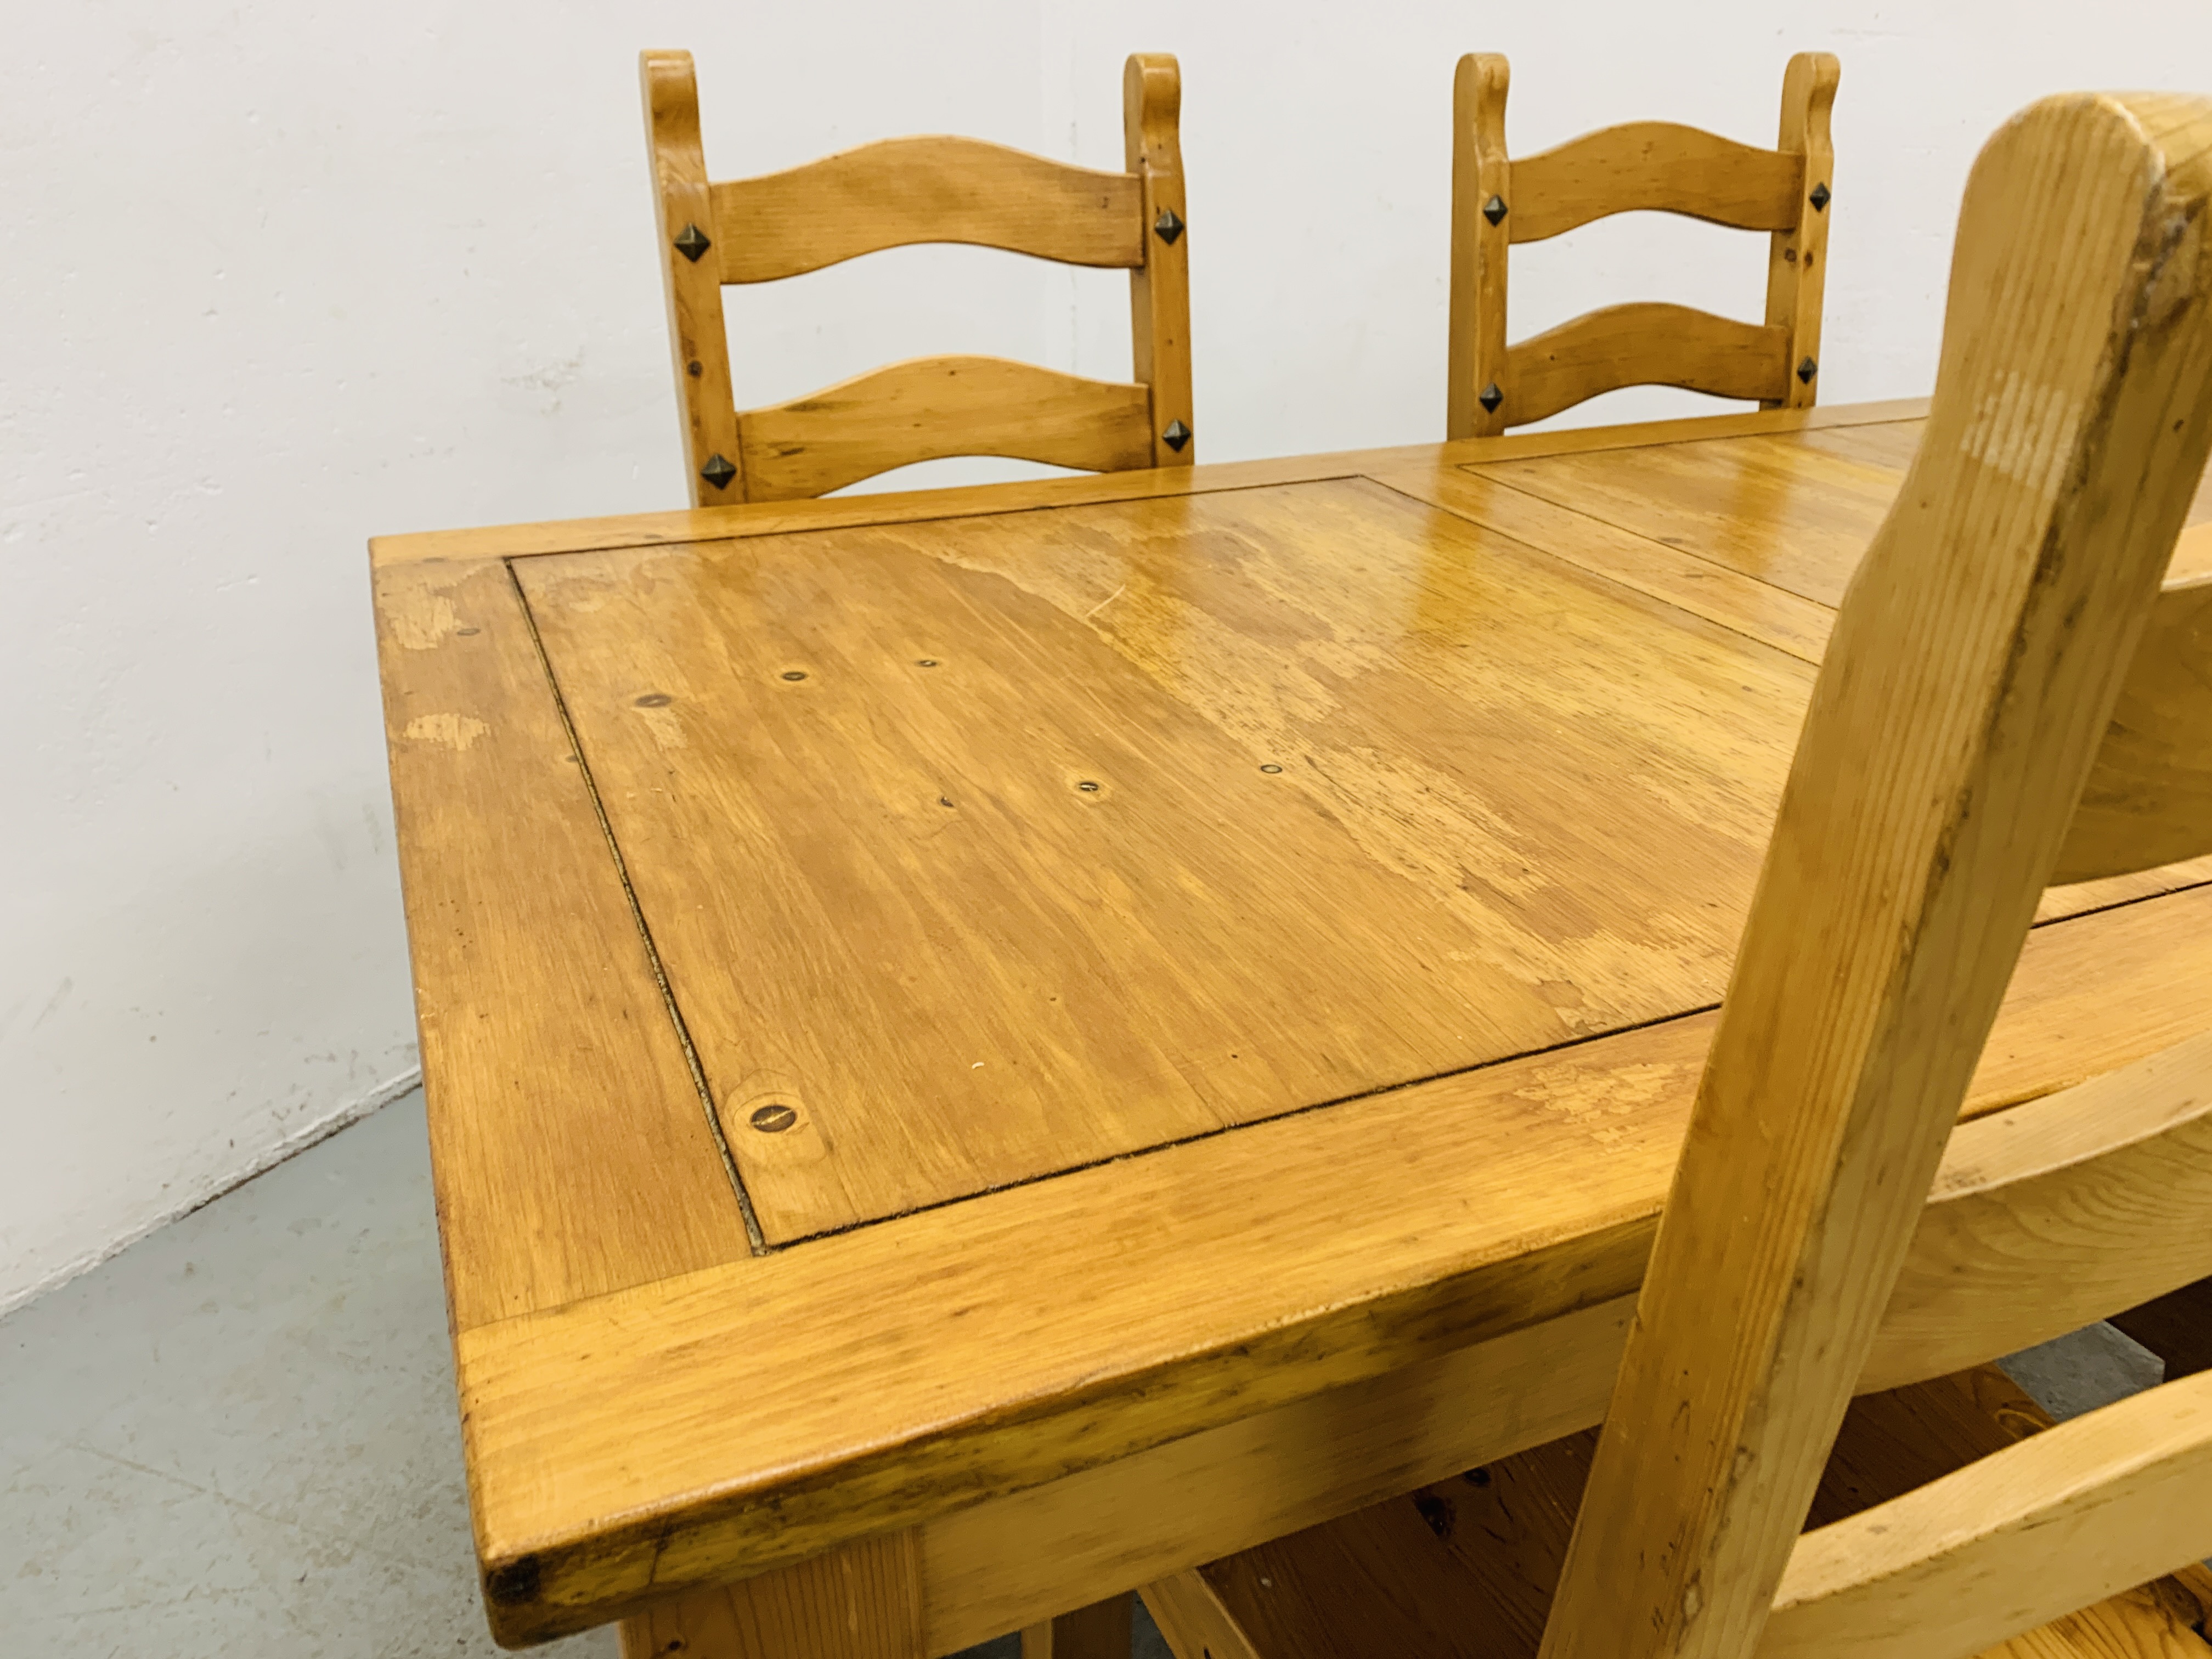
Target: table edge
{"points": [[1456, 1275], [775, 518]]}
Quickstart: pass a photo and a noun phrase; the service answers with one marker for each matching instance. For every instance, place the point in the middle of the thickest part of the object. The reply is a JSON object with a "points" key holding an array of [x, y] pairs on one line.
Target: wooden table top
{"points": [[923, 995]]}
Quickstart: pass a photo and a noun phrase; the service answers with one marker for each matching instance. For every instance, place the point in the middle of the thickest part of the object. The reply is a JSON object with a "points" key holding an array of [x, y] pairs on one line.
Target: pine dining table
{"points": [[985, 1046]]}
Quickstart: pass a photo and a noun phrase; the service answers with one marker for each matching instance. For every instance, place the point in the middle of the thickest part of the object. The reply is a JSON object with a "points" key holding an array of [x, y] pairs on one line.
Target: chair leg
{"points": [[2176, 1327], [1099, 1630], [861, 1601]]}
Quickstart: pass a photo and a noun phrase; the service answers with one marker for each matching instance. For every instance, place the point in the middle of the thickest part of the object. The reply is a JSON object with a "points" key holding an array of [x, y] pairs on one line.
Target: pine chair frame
{"points": [[2011, 699], [1655, 165], [897, 192]]}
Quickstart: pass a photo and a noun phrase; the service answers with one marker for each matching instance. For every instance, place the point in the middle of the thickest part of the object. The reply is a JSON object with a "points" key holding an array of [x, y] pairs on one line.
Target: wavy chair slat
{"points": [[1654, 167], [2066, 1518], [1645, 344], [2054, 1214], [932, 407], [899, 192], [2149, 800]]}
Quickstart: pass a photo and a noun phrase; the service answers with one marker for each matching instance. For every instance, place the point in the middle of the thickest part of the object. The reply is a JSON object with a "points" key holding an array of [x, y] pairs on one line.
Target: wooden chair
{"points": [[2009, 700], [892, 194], [1496, 201]]}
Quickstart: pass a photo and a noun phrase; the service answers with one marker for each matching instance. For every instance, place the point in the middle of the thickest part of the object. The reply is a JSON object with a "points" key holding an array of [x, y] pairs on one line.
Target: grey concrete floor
{"points": [[238, 1438]]}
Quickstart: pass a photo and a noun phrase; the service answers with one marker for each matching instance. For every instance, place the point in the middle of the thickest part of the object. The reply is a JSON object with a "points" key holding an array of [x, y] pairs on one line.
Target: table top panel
{"points": [[906, 937], [559, 1092], [1777, 509], [741, 1417]]}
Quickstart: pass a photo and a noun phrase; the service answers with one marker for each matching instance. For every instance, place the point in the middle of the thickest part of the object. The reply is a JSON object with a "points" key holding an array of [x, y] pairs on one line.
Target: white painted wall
{"points": [[277, 276]]}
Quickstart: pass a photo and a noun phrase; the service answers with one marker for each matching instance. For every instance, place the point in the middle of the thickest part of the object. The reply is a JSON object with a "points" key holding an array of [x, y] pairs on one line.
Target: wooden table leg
{"points": [[2176, 1327], [1099, 1630], [862, 1601]]}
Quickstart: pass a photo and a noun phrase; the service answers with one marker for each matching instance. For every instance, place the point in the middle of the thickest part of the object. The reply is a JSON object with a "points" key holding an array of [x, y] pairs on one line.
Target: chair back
{"points": [[2010, 697], [1497, 201], [892, 194]]}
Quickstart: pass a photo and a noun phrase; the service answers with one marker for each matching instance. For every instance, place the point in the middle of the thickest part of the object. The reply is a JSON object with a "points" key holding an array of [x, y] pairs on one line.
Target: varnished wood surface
{"points": [[1798, 256], [932, 407], [1159, 289], [890, 194], [2148, 799], [861, 1602], [1311, 1251], [1468, 1565], [694, 525], [1965, 695], [536, 1002], [931, 189], [1654, 166], [1795, 513], [1433, 548], [2044, 1528], [526, 1227], [1023, 908], [1497, 201], [1644, 345]]}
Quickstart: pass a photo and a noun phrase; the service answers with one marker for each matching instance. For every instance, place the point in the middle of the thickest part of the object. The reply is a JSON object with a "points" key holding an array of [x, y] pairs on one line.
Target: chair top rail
{"points": [[899, 192], [1658, 166]]}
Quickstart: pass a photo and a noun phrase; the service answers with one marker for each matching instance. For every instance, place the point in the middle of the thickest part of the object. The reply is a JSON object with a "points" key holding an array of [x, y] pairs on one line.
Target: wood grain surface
{"points": [[975, 861], [1798, 256], [1497, 201], [1159, 287], [931, 407], [1247, 1271], [930, 189], [558, 1091], [768, 518], [1468, 1565], [698, 344], [2053, 1524], [2149, 800], [1974, 669], [1653, 166], [1214, 599], [862, 1600], [1482, 181], [1782, 512], [890, 194], [1645, 344]]}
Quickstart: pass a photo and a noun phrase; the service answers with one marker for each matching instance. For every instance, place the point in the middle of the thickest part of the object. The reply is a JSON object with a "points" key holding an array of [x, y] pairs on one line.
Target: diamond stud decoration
{"points": [[1820, 198], [1167, 226], [1807, 370], [1494, 209], [691, 242], [718, 471], [1490, 396], [1176, 435]]}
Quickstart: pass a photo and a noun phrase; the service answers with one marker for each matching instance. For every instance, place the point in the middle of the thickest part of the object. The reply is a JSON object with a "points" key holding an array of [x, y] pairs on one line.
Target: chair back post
{"points": [[1159, 289], [1972, 675], [692, 275], [1482, 174], [1797, 266]]}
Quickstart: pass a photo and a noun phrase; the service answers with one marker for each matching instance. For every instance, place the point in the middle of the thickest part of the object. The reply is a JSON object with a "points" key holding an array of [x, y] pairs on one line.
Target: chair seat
{"points": [[1465, 1569]]}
